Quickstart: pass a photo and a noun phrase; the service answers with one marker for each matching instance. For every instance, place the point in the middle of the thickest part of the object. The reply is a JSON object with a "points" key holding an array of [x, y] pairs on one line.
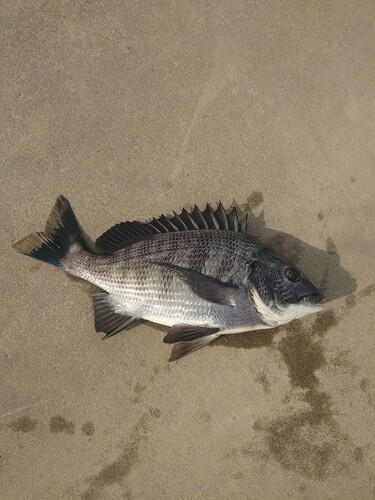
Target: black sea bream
{"points": [[199, 273]]}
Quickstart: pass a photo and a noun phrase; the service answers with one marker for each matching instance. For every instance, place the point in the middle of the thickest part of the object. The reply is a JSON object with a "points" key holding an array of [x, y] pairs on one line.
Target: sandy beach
{"points": [[136, 109]]}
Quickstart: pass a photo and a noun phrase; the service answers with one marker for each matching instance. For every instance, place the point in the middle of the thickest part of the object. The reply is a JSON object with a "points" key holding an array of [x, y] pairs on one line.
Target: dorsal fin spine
{"points": [[126, 233]]}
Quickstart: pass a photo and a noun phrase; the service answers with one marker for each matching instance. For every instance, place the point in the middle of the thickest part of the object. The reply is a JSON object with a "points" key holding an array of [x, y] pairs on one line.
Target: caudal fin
{"points": [[61, 232]]}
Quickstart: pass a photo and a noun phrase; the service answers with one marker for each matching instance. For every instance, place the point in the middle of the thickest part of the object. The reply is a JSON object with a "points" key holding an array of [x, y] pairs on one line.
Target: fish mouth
{"points": [[313, 298]]}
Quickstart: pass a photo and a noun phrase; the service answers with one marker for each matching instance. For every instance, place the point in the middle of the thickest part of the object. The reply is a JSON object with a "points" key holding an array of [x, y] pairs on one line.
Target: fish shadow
{"points": [[322, 268]]}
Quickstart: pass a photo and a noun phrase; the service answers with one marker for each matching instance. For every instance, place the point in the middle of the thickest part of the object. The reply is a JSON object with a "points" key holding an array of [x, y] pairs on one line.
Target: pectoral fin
{"points": [[206, 287]]}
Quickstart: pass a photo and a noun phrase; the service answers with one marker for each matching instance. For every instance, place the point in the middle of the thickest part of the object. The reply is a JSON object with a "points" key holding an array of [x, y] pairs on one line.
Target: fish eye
{"points": [[293, 275]]}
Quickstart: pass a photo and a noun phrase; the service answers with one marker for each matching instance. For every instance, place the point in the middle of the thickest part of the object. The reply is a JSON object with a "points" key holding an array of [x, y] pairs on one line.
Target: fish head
{"points": [[280, 292]]}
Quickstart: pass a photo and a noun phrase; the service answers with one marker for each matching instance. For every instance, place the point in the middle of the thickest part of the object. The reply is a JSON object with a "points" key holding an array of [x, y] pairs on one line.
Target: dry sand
{"points": [[132, 109]]}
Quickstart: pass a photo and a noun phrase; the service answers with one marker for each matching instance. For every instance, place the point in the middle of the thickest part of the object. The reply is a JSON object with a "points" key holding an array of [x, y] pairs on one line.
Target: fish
{"points": [[198, 272]]}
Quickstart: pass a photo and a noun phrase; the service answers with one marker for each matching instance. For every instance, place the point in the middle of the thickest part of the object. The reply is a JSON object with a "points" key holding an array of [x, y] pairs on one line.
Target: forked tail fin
{"points": [[61, 232]]}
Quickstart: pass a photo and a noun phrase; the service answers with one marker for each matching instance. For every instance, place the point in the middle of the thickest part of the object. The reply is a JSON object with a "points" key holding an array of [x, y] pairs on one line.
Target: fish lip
{"points": [[313, 298]]}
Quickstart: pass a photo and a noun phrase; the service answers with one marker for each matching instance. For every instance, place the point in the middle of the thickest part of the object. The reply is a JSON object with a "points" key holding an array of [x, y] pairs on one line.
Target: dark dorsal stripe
{"points": [[126, 233]]}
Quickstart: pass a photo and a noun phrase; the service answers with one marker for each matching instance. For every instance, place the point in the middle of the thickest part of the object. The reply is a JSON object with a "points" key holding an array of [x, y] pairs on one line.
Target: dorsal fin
{"points": [[126, 233], [123, 234], [221, 217], [210, 218]]}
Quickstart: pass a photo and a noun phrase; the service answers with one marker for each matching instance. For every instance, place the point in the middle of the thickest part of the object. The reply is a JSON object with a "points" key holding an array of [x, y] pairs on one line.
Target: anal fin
{"points": [[107, 320]]}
